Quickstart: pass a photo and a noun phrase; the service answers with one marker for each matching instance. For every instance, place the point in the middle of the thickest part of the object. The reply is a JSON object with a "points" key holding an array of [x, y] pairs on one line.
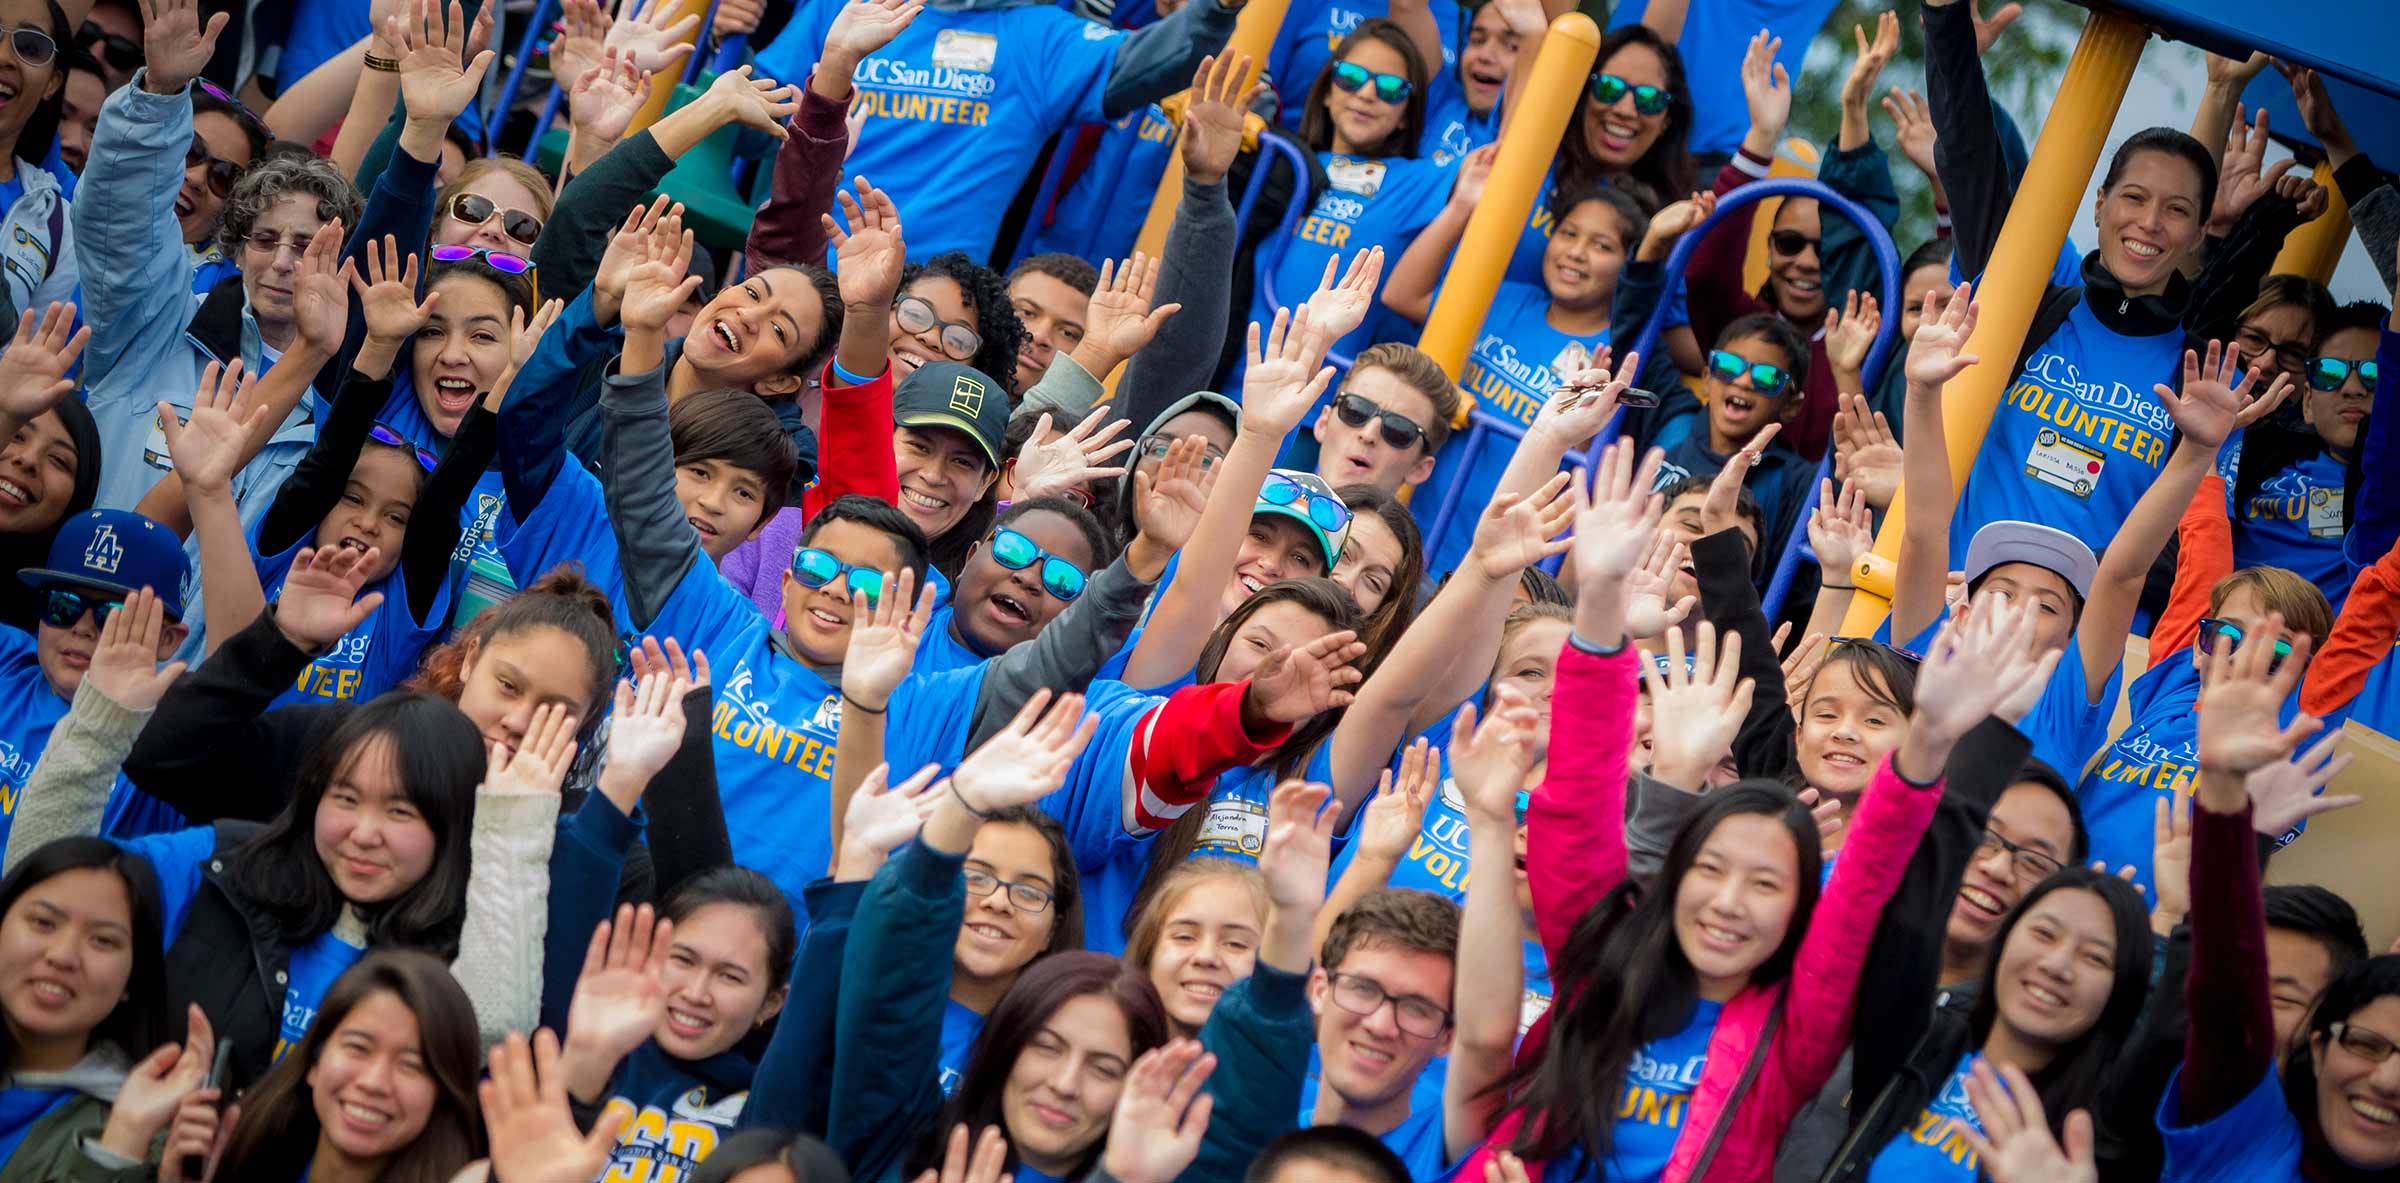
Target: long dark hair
{"points": [[2354, 986], [1391, 618], [40, 132], [278, 1130], [1316, 125], [768, 908], [1044, 987], [1666, 172], [561, 599], [439, 756], [1066, 882], [996, 319], [1623, 980], [2073, 1078], [139, 1021]]}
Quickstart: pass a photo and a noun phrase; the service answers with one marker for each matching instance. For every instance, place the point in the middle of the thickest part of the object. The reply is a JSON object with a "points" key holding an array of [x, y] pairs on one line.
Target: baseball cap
{"points": [[2030, 542], [959, 397], [116, 550], [1305, 498]]}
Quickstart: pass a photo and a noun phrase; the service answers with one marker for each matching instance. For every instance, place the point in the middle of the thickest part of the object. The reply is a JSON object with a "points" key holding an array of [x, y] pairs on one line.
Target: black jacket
{"points": [[232, 959]]}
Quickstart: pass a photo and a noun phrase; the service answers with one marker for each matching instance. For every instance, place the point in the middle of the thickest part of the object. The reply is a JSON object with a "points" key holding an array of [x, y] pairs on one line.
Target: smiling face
{"points": [[1529, 664], [66, 956], [2358, 1100], [2030, 816], [1737, 410], [269, 276], [2279, 338], [23, 86], [1371, 556], [2337, 414], [1682, 521], [997, 608], [2057, 968], [1280, 624], [1209, 942], [37, 475], [1847, 727], [997, 938], [374, 506], [1796, 282], [1484, 64], [949, 300], [65, 653], [1618, 135], [1360, 455], [79, 115], [1734, 904], [462, 350], [1275, 547], [199, 208], [716, 979], [752, 335], [942, 475], [1367, 1059], [2298, 967], [505, 193], [1585, 256], [724, 504], [1063, 1087], [817, 620], [506, 678], [2149, 221], [370, 835], [1360, 120], [371, 1089], [1054, 312]]}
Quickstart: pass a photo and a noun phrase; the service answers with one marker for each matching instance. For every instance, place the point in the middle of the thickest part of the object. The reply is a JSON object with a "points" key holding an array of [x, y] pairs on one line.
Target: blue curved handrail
{"points": [[544, 11], [693, 61], [1281, 240]]}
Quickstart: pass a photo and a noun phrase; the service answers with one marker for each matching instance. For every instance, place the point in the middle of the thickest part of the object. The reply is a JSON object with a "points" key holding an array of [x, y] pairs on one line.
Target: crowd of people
{"points": [[928, 691]]}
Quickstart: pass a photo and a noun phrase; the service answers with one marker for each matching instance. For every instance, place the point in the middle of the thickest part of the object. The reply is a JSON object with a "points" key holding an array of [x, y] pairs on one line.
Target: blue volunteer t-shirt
{"points": [[1453, 129], [2256, 1141], [1236, 822], [955, 110], [1368, 201], [940, 650], [1931, 1149], [1525, 262], [1715, 34], [374, 657], [1311, 30], [2077, 438], [1419, 1142], [1658, 1093], [29, 709], [960, 1027], [2159, 745], [1091, 805], [1099, 214], [2293, 520], [314, 966], [570, 525]]}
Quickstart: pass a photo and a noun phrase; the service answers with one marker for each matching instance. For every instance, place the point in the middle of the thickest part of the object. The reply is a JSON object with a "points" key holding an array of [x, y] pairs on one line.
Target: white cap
{"points": [[2029, 542]]}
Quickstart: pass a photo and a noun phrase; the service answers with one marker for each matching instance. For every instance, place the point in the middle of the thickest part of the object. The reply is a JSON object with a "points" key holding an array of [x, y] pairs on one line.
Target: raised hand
{"points": [[650, 658], [645, 727], [654, 47], [1841, 529], [1212, 122], [155, 1088], [1873, 56], [320, 291], [881, 817], [199, 1131], [207, 448], [1695, 712], [2305, 193], [1490, 758], [1974, 666], [1339, 306], [883, 638], [1934, 354], [626, 250], [1584, 400], [125, 666], [618, 998], [1299, 847], [991, 1156], [534, 1137], [2244, 177], [1802, 663], [33, 369], [1850, 330], [582, 33], [607, 95], [320, 603], [1286, 375], [1029, 759], [387, 296], [538, 765], [864, 26], [1167, 505], [1049, 464], [1615, 520], [2215, 400], [2171, 860], [1394, 818], [657, 286], [1517, 532], [761, 104], [2015, 1145], [1121, 322], [1672, 223], [1474, 171], [175, 45], [870, 254], [2242, 689], [2283, 793], [1648, 611], [1161, 1114], [440, 69], [737, 18], [1988, 30], [1767, 89], [1721, 509], [523, 338], [1294, 685], [2317, 113], [1865, 452], [1912, 127]]}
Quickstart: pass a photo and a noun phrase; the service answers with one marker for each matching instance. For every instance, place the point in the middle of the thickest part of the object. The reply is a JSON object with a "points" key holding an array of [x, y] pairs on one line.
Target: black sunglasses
{"points": [[1398, 430], [113, 51], [1791, 242], [222, 173]]}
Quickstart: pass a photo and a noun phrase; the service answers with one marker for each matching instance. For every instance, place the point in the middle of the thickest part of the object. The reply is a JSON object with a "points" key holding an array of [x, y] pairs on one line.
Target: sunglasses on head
{"points": [[1399, 431], [1062, 580], [1350, 78], [2212, 627], [497, 260], [1768, 380], [1608, 88], [33, 46], [62, 608], [2332, 373], [1791, 242], [393, 439], [1324, 509], [222, 173], [959, 339], [475, 209], [113, 51], [815, 568]]}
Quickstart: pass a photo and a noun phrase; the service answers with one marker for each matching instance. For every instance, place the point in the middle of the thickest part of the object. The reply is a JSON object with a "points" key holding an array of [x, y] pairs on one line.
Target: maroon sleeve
{"points": [[808, 168], [2227, 991], [1712, 279]]}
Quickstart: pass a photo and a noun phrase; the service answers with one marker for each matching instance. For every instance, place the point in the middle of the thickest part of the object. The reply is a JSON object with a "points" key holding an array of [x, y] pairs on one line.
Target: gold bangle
{"points": [[387, 65]]}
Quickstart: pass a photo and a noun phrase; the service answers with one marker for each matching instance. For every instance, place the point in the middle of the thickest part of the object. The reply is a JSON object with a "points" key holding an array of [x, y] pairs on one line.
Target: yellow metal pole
{"points": [[1526, 146], [2046, 203], [2314, 249], [656, 105]]}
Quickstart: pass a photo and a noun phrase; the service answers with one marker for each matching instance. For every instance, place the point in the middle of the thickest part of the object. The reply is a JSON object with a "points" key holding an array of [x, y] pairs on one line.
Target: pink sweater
{"points": [[1575, 854]]}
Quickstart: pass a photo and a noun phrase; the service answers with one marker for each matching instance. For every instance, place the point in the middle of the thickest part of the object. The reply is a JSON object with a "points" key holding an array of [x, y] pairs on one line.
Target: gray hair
{"points": [[277, 175]]}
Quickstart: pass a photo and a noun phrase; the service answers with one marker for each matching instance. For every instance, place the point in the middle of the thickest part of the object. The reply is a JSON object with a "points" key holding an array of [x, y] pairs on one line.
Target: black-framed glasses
{"points": [[1791, 242], [959, 339], [1324, 509], [1398, 430], [2371, 1046], [1154, 447], [815, 568], [1769, 380], [1061, 580], [1350, 78], [1027, 897], [1606, 89], [2031, 865], [393, 439], [2290, 356], [1417, 1016], [475, 209], [500, 261], [122, 54], [62, 608], [32, 46], [2213, 627], [222, 173], [2332, 373]]}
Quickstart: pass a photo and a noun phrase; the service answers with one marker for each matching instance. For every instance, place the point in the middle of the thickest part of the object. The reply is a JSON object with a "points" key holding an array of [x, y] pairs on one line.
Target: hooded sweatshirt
{"points": [[45, 1117]]}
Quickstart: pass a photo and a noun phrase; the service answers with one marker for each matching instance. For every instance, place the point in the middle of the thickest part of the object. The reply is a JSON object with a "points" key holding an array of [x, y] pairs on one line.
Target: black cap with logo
{"points": [[961, 398]]}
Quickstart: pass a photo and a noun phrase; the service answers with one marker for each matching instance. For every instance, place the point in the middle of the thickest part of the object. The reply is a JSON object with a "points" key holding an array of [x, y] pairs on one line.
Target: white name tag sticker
{"points": [[2063, 463], [154, 449], [958, 49], [1233, 825], [2324, 513], [1362, 177]]}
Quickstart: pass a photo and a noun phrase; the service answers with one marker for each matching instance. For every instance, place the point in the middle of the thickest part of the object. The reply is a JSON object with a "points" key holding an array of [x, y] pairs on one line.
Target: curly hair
{"points": [[995, 314], [275, 176]]}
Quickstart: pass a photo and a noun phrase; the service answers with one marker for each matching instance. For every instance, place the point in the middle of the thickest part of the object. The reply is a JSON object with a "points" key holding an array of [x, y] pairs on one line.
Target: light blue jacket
{"points": [[37, 253]]}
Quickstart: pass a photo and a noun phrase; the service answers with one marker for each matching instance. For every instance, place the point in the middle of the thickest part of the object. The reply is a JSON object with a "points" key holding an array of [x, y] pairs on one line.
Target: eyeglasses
{"points": [[1154, 447], [1325, 510], [500, 261], [1061, 579], [393, 439], [2212, 627], [1768, 380], [1792, 242], [2366, 1045], [62, 608], [33, 46], [2290, 356], [1023, 895], [2031, 865], [959, 339], [2332, 373], [122, 54], [1398, 430], [1350, 78], [475, 209], [1608, 88], [815, 568], [1364, 996], [222, 173], [271, 245]]}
